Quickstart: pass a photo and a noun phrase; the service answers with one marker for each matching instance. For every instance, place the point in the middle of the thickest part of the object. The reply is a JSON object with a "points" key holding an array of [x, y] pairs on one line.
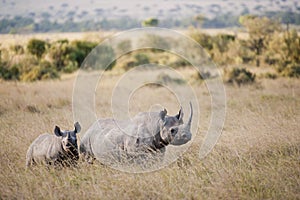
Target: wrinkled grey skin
{"points": [[147, 132], [59, 148]]}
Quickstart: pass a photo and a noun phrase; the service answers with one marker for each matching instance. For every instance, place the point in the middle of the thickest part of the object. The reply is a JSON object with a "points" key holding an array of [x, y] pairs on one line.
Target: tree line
{"points": [[268, 44], [20, 24]]}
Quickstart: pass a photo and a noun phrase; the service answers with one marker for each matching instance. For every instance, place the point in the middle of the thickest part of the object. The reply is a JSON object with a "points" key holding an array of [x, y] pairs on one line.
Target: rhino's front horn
{"points": [[187, 135], [189, 123]]}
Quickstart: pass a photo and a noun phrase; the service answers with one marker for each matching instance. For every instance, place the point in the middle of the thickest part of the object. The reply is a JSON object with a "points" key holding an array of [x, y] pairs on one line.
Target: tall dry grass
{"points": [[257, 156]]}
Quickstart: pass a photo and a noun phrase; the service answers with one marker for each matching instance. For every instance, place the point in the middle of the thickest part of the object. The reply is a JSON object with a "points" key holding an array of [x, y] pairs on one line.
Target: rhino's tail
{"points": [[84, 150]]}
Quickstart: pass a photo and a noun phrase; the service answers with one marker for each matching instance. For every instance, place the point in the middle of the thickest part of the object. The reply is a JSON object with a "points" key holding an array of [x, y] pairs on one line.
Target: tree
{"points": [[36, 47], [284, 50], [80, 50], [199, 19], [260, 29], [150, 22], [60, 52]]}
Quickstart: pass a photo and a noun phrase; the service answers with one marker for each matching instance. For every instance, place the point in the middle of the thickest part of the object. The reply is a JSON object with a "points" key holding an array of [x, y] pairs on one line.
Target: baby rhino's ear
{"points": [[77, 127], [57, 131], [163, 114]]}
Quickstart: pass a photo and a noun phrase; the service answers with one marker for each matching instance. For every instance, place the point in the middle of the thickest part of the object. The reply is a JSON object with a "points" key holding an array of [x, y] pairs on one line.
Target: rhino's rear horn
{"points": [[179, 116]]}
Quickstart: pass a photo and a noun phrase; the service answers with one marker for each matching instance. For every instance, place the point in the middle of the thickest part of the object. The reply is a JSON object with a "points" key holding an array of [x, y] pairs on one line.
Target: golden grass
{"points": [[6, 40], [257, 156]]}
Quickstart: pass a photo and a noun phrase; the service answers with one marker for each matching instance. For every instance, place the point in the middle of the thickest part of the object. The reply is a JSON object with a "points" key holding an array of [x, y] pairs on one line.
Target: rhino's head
{"points": [[69, 138], [173, 130]]}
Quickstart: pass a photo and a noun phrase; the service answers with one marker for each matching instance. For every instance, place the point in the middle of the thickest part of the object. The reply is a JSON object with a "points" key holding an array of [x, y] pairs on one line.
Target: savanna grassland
{"points": [[256, 157]]}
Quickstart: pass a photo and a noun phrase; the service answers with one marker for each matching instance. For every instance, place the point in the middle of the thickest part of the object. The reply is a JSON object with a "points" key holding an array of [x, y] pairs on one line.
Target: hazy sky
{"points": [[138, 8]]}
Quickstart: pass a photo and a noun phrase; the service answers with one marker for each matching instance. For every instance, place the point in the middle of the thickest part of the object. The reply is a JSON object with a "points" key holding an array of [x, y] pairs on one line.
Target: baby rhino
{"points": [[58, 149]]}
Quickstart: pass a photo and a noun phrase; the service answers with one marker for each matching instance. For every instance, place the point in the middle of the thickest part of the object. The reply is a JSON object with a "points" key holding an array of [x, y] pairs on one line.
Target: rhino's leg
{"points": [[29, 161], [90, 158], [29, 157], [86, 156]]}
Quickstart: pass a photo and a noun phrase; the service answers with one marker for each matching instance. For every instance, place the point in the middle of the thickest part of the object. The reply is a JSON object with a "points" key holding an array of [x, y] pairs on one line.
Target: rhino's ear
{"points": [[163, 114], [57, 131], [179, 116], [77, 127]]}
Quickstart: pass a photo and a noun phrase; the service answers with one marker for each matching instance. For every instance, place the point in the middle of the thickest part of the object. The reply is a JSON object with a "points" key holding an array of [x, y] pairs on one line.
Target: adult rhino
{"points": [[59, 148], [146, 133]]}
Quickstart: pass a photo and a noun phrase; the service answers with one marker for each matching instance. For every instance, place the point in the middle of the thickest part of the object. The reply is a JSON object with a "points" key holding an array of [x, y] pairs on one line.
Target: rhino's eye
{"points": [[173, 130]]}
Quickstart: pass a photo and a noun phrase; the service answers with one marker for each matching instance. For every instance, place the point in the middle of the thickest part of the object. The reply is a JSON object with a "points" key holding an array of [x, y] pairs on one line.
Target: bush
{"points": [[160, 43], [36, 47], [102, 57], [269, 75], [221, 41], [150, 22], [80, 50], [17, 49], [70, 67], [180, 62], [239, 76], [59, 52], [203, 39], [141, 59], [42, 72], [291, 70], [201, 76], [123, 46], [165, 79], [12, 73], [131, 60], [284, 49]]}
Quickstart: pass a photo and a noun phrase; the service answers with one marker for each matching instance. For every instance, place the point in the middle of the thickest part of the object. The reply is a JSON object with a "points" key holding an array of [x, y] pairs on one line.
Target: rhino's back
{"points": [[108, 137], [100, 137], [45, 146]]}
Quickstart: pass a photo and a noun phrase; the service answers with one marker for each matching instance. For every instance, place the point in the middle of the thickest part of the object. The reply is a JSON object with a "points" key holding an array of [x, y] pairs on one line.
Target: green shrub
{"points": [[159, 42], [80, 50], [221, 41], [43, 71], [201, 76], [270, 60], [239, 76], [11, 73], [165, 79], [17, 49], [291, 70], [179, 63], [123, 46], [141, 59], [203, 39], [127, 64], [269, 75], [102, 57], [60, 52], [284, 48], [36, 47], [131, 60], [150, 22], [70, 67]]}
